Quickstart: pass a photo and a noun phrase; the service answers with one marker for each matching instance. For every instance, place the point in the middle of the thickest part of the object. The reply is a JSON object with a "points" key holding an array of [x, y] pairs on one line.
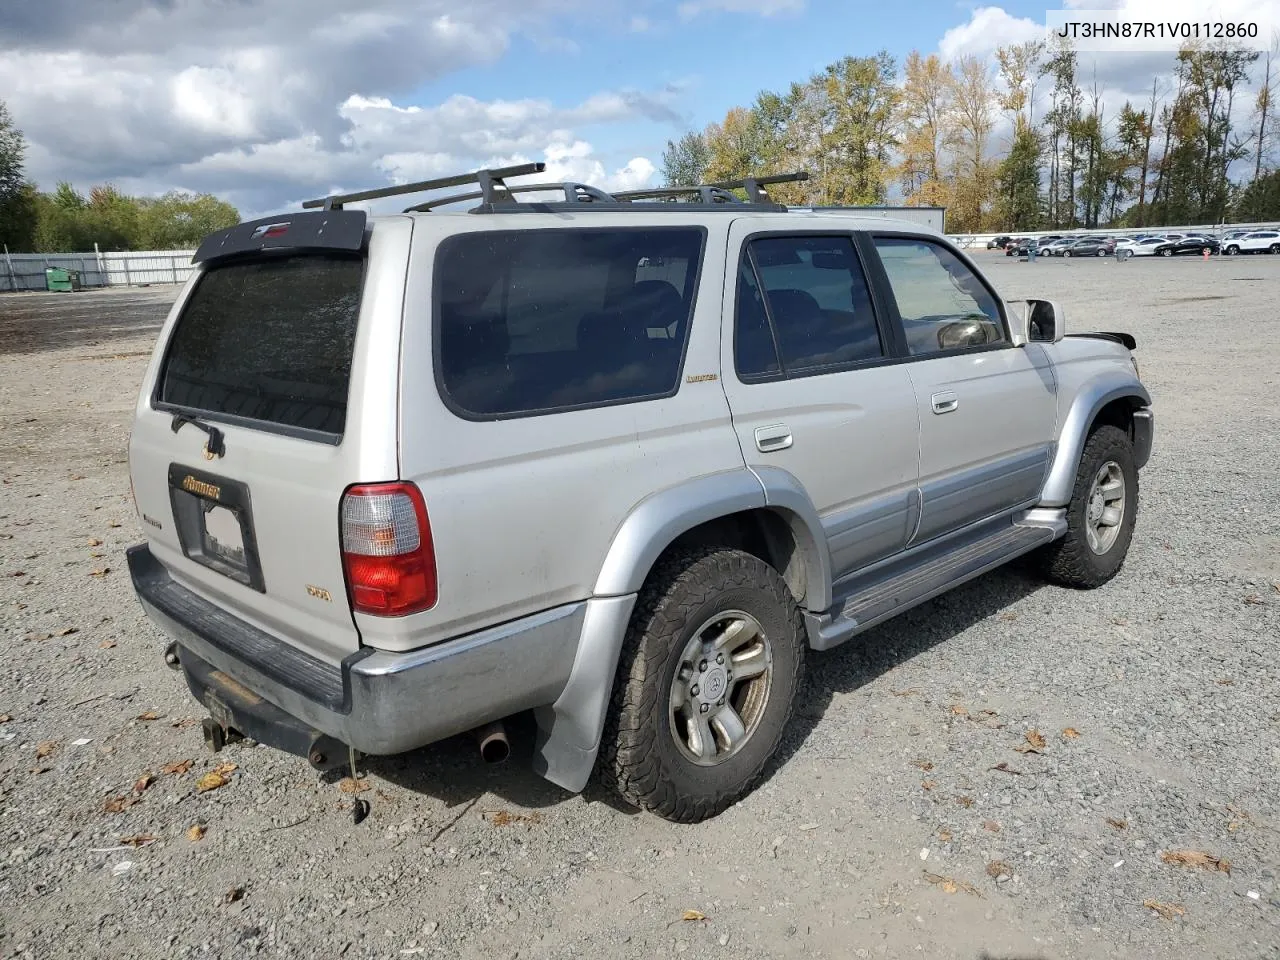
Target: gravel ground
{"points": [[886, 831]]}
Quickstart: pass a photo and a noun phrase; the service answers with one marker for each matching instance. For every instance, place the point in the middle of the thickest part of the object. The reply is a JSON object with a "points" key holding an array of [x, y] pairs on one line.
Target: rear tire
{"points": [[1231, 251], [1102, 252], [1166, 253], [1274, 248], [671, 745], [1100, 516]]}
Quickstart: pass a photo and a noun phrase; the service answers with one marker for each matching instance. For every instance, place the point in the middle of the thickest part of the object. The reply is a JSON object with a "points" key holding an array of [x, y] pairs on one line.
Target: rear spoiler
{"points": [[319, 230], [1124, 339]]}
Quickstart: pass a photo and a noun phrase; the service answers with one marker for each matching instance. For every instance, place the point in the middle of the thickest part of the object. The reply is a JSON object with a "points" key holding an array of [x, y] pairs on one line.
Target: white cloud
{"points": [[263, 100], [987, 29]]}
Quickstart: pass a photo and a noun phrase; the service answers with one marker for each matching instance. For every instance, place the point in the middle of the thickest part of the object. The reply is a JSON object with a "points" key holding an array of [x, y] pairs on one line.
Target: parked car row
{"points": [[1141, 245]]}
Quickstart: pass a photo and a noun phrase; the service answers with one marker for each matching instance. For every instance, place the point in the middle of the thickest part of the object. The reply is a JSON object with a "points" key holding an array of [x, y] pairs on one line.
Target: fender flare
{"points": [[1092, 396], [662, 517], [569, 730]]}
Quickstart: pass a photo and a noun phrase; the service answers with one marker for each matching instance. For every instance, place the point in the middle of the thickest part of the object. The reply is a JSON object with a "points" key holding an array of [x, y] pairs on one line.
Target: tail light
{"points": [[387, 553]]}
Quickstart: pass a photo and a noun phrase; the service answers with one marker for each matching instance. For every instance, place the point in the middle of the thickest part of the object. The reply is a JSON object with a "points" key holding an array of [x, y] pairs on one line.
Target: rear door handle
{"points": [[945, 402], [771, 438]]}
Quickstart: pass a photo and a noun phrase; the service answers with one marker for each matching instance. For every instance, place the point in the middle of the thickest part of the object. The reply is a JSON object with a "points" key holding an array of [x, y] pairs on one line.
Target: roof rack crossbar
{"points": [[573, 193], [490, 181]]}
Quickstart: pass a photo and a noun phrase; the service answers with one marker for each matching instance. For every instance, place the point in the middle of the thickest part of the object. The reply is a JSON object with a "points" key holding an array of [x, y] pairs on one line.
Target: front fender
{"points": [[1092, 396]]}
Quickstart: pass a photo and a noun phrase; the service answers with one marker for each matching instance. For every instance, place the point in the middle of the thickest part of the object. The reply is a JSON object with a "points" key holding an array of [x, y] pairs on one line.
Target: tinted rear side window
{"points": [[268, 341], [534, 321]]}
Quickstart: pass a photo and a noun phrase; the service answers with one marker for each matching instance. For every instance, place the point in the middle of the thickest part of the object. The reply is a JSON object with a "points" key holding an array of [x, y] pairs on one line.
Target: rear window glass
{"points": [[269, 341], [533, 321]]}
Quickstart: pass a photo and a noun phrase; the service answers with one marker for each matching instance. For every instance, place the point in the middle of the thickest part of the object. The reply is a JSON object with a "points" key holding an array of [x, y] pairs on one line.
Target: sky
{"points": [[270, 102]]}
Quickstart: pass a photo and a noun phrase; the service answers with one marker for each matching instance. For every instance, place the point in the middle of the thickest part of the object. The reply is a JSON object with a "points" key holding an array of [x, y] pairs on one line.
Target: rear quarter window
{"points": [[268, 342], [535, 321]]}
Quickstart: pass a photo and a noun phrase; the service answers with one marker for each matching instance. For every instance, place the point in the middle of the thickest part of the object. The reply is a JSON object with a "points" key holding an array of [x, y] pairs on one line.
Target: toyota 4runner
{"points": [[621, 460]]}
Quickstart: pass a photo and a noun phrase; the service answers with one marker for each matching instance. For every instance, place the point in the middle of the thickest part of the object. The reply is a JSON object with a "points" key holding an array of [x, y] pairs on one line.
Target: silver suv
{"points": [[615, 459]]}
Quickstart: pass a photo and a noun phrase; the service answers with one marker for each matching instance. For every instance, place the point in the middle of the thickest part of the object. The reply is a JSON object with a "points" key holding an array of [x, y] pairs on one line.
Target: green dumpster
{"points": [[57, 280]]}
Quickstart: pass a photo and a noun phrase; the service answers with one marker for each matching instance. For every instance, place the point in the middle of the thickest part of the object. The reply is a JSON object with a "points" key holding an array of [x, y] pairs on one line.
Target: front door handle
{"points": [[771, 438], [945, 402]]}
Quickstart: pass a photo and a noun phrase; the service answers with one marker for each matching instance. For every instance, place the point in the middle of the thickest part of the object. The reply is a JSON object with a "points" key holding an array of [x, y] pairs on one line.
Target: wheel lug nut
{"points": [[720, 702], [704, 708], [720, 658], [694, 690], [702, 667]]}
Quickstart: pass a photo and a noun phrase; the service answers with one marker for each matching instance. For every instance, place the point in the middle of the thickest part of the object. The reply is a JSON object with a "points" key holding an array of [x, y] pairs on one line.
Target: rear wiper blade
{"points": [[215, 447]]}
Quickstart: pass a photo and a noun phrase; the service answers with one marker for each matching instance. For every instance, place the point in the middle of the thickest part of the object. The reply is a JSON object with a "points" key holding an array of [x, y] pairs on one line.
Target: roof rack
{"points": [[496, 196], [718, 192], [490, 181], [573, 193]]}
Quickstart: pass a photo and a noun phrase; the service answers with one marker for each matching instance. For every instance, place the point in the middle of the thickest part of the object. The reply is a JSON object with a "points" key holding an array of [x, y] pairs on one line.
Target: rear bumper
{"points": [[378, 702]]}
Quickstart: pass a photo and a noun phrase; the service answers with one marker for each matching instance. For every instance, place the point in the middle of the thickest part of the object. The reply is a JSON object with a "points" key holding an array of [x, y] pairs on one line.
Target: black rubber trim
{"points": [[309, 676]]}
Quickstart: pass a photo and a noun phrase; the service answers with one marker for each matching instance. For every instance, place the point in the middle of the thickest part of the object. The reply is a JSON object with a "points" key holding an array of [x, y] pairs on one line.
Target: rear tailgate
{"points": [[289, 358]]}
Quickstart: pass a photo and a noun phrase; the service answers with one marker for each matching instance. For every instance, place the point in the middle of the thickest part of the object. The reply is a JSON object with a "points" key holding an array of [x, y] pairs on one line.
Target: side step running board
{"points": [[882, 594]]}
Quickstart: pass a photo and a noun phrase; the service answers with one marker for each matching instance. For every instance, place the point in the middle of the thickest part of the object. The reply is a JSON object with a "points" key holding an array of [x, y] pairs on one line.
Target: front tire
{"points": [[1100, 516], [707, 681], [1231, 251], [1166, 253]]}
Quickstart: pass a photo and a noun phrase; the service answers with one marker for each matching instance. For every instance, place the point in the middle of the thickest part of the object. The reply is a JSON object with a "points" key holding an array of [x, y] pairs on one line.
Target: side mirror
{"points": [[1045, 322]]}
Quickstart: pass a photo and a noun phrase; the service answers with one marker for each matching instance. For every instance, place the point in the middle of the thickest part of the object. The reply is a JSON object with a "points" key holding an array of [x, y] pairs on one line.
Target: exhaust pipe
{"points": [[494, 746]]}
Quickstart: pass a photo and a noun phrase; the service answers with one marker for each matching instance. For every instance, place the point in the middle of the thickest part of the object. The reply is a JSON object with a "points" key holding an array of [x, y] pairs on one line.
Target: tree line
{"points": [[867, 128], [67, 221]]}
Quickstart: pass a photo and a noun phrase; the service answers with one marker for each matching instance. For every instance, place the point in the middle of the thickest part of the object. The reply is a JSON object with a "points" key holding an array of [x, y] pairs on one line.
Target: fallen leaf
{"points": [[1005, 768], [118, 804], [965, 802], [1117, 824], [181, 721], [138, 840], [989, 713], [106, 644], [944, 835], [905, 693], [95, 542], [77, 476], [149, 715], [1196, 858], [1254, 600], [348, 785], [179, 768], [196, 832], [998, 868], [18, 573], [990, 826], [113, 524], [1120, 621], [504, 818], [924, 765], [1035, 739], [144, 781], [68, 631], [102, 572], [1166, 910], [959, 711], [929, 784], [5, 718], [1226, 682], [691, 915], [38, 636], [45, 747], [233, 895], [1071, 733], [224, 768], [1008, 616], [211, 781], [96, 556], [951, 884]]}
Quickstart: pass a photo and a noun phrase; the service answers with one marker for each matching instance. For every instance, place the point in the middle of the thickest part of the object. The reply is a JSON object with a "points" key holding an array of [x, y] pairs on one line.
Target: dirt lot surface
{"points": [[902, 821]]}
